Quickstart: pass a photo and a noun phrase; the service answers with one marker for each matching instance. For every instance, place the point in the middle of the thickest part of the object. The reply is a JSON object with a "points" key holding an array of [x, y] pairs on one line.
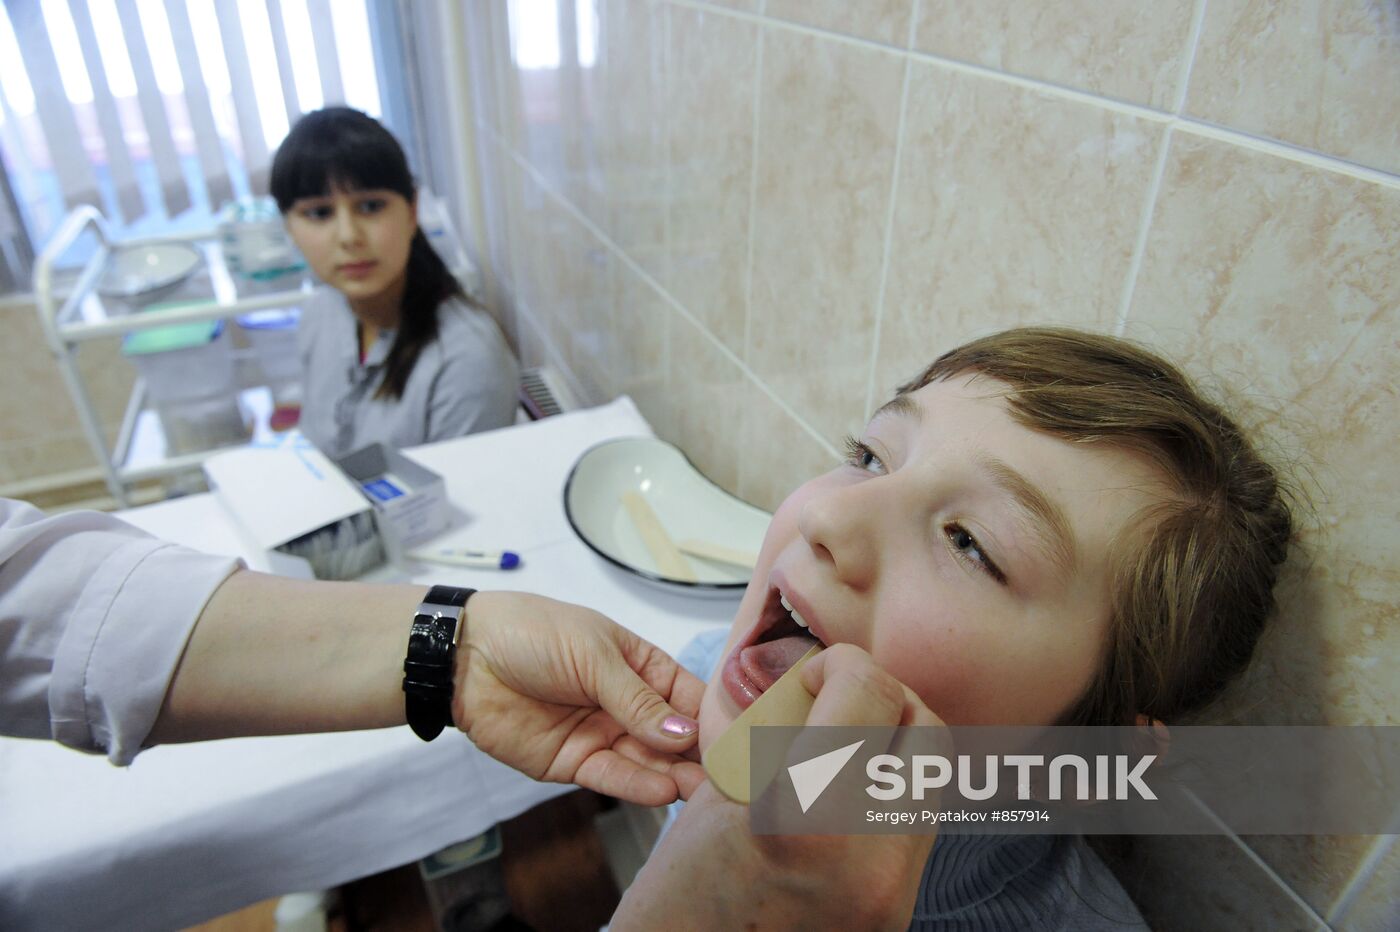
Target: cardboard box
{"points": [[409, 499], [295, 507]]}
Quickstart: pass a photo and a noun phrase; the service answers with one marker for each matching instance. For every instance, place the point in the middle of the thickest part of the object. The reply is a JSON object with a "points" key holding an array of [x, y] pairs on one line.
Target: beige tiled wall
{"points": [[759, 216]]}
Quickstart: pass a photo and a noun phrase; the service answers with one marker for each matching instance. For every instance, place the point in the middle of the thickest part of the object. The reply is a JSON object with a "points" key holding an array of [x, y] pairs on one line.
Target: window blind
{"points": [[158, 112]]}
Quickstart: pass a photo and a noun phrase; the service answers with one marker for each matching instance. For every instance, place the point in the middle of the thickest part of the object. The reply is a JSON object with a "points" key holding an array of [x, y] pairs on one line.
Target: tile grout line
{"points": [[669, 263], [667, 85], [666, 295], [1364, 872], [1154, 186], [1288, 152], [1258, 861], [1058, 90], [1188, 61], [889, 218], [1329, 163], [520, 306], [1149, 211], [755, 128]]}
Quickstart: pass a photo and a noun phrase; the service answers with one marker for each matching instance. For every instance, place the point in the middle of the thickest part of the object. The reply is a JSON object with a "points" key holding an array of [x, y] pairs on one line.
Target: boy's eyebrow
{"points": [[1047, 518], [901, 405]]}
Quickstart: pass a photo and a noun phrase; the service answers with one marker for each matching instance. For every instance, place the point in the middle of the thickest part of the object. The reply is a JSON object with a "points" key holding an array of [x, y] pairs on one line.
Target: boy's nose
{"points": [[839, 525]]}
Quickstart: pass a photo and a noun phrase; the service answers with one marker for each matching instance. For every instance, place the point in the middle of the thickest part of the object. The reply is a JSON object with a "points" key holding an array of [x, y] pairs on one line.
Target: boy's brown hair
{"points": [[1193, 585]]}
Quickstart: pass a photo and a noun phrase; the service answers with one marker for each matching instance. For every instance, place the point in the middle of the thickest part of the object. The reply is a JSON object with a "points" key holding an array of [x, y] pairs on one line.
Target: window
{"points": [[157, 112]]}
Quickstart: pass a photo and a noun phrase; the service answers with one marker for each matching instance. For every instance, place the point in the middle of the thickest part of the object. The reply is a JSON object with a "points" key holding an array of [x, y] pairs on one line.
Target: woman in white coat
{"points": [[112, 640]]}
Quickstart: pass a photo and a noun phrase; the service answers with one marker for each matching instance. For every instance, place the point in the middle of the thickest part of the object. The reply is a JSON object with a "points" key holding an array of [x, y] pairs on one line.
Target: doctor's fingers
{"points": [[645, 690], [851, 689], [612, 773], [686, 771]]}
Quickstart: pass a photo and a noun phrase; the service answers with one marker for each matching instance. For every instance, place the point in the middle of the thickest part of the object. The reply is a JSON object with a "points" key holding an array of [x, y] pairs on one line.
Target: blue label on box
{"points": [[382, 489]]}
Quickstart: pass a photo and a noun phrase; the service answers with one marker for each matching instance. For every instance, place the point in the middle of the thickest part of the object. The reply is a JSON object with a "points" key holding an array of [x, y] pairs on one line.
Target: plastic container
{"points": [[272, 341], [190, 379], [254, 240], [258, 253]]}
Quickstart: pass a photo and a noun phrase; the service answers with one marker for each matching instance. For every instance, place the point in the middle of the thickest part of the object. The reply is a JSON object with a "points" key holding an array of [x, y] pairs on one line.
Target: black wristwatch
{"points": [[432, 650]]}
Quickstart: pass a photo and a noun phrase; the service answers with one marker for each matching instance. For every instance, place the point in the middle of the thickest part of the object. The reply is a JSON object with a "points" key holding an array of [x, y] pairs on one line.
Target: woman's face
{"points": [[355, 241], [967, 553]]}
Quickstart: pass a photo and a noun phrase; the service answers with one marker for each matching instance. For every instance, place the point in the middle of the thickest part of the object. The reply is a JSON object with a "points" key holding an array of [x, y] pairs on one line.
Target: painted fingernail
{"points": [[679, 725]]}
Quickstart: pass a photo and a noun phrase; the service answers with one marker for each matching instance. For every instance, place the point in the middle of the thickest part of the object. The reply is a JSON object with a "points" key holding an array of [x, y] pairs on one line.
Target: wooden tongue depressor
{"points": [[786, 702], [719, 553], [668, 559]]}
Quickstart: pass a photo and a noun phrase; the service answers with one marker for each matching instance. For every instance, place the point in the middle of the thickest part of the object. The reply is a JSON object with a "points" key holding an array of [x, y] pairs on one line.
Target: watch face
{"points": [[434, 633]]}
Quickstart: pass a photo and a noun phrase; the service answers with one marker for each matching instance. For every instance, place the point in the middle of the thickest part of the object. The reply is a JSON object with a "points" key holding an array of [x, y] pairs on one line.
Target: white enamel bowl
{"points": [[688, 505], [145, 273]]}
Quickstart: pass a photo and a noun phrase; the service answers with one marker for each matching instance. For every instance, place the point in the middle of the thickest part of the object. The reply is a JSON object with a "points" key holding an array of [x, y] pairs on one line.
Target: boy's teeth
{"points": [[792, 611]]}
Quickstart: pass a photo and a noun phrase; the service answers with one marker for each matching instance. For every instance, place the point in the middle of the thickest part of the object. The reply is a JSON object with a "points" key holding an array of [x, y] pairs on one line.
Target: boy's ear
{"points": [[1161, 736]]}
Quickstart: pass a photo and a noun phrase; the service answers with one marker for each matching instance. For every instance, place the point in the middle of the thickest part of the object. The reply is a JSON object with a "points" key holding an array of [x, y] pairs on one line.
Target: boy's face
{"points": [[970, 555]]}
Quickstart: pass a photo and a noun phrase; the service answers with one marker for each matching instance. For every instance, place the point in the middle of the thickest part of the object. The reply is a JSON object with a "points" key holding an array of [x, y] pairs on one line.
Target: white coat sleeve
{"points": [[94, 616]]}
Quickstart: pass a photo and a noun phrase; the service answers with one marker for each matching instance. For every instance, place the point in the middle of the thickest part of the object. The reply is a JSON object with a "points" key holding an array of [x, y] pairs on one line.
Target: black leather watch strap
{"points": [[428, 668]]}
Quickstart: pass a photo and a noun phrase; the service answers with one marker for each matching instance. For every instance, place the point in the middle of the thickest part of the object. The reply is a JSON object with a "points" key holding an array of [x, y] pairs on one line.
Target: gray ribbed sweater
{"points": [[1031, 882]]}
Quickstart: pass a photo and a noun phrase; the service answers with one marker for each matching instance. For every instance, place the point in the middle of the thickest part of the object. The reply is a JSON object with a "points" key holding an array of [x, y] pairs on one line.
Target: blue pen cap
{"points": [[509, 560]]}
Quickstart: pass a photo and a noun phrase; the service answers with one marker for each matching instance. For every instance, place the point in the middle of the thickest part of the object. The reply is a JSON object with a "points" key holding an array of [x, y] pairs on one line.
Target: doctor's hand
{"points": [[727, 877], [566, 695]]}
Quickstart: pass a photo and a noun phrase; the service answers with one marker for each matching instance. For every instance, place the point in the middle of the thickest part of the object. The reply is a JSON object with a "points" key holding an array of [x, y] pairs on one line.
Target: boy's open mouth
{"points": [[778, 641]]}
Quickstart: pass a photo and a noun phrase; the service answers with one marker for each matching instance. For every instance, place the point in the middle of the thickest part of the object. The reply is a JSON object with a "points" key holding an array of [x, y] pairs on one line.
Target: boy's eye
{"points": [[963, 542], [371, 205], [317, 212], [862, 457]]}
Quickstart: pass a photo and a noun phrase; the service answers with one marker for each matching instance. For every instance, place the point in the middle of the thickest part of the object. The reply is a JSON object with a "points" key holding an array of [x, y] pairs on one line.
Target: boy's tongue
{"points": [[764, 663]]}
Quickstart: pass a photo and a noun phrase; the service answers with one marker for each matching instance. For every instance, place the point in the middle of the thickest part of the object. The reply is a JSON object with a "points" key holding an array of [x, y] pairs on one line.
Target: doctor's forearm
{"points": [[280, 656]]}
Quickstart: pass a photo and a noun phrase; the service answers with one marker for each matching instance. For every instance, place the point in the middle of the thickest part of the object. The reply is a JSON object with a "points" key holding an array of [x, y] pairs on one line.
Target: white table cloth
{"points": [[192, 831]]}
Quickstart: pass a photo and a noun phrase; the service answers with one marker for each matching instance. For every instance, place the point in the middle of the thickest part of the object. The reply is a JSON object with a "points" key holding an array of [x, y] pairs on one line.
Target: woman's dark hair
{"points": [[339, 147]]}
